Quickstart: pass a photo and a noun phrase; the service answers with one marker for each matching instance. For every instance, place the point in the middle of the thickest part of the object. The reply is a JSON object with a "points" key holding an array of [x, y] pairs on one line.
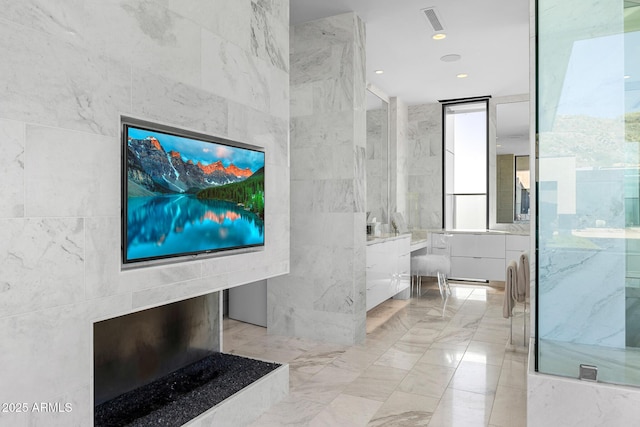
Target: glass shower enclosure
{"points": [[588, 189]]}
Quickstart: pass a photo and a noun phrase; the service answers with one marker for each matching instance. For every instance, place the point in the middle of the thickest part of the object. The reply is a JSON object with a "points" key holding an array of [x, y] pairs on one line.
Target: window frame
{"points": [[460, 101]]}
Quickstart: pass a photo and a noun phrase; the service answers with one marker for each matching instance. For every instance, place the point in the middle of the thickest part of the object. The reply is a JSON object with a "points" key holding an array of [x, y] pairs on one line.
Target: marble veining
{"points": [[155, 22], [424, 166], [57, 194], [227, 18], [277, 8], [378, 163], [264, 130], [399, 172], [12, 169], [178, 104], [37, 275], [166, 43], [321, 33], [61, 20], [571, 285], [489, 386], [268, 38], [79, 89], [231, 72], [323, 296], [102, 256], [33, 334]]}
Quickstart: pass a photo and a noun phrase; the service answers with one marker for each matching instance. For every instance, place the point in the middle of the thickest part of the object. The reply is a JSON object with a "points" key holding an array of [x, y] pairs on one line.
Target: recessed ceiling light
{"points": [[379, 71], [450, 58], [462, 75], [627, 77], [439, 36]]}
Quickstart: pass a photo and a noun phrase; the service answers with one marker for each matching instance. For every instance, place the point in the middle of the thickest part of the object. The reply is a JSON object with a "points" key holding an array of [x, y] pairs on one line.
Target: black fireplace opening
{"points": [[163, 366]]}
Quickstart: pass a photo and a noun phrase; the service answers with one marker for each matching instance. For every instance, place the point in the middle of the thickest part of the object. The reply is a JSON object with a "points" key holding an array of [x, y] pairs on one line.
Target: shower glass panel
{"points": [[588, 198]]}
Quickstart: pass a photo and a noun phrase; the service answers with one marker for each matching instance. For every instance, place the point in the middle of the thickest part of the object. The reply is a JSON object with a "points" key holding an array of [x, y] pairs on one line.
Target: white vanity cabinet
{"points": [[478, 256], [484, 256], [388, 269]]}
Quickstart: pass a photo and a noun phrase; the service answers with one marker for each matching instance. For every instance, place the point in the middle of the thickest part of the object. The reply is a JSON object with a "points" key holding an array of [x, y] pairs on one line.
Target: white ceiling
{"points": [[492, 36]]}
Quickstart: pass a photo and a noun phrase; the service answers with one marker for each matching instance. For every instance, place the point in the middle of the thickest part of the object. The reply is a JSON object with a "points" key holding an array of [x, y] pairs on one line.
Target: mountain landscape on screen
{"points": [[158, 171], [185, 195]]}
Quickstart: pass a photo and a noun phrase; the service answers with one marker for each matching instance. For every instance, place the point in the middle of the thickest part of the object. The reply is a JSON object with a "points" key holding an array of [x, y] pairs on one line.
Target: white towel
{"points": [[522, 288], [510, 285]]}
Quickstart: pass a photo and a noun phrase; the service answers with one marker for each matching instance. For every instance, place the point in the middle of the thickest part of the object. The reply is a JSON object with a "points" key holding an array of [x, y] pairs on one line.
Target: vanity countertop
{"points": [[498, 232], [385, 237], [420, 238]]}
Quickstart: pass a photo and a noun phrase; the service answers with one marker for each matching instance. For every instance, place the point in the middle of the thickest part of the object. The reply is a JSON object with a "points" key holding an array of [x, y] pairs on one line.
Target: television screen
{"points": [[186, 194]]}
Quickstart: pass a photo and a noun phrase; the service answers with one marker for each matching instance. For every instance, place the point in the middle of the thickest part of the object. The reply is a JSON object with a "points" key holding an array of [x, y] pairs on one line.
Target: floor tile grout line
{"points": [[409, 319]]}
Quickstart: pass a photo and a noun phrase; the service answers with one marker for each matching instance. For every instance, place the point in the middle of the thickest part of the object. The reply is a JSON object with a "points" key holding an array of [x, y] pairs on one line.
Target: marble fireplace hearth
{"points": [[163, 367]]}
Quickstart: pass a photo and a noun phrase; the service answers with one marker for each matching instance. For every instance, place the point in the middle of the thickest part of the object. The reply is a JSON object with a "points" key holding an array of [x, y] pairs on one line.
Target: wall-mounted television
{"points": [[186, 194]]}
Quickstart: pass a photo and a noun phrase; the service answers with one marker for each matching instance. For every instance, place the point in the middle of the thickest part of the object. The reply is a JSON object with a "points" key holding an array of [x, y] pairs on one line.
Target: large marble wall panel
{"points": [[52, 82], [61, 19], [269, 36], [102, 257], [322, 297], [398, 159], [425, 167], [12, 169], [55, 348], [172, 102], [42, 263], [263, 129], [378, 162], [70, 69], [66, 174], [221, 60], [226, 18]]}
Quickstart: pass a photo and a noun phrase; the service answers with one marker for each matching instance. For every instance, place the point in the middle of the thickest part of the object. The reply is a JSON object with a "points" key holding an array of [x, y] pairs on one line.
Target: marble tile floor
{"points": [[423, 363]]}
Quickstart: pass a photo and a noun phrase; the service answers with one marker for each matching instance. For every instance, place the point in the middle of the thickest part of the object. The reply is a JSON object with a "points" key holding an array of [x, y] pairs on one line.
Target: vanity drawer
{"points": [[478, 268], [478, 245]]}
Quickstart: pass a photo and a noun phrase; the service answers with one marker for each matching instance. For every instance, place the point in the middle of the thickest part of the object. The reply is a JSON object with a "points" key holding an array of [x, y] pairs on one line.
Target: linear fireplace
{"points": [[163, 366]]}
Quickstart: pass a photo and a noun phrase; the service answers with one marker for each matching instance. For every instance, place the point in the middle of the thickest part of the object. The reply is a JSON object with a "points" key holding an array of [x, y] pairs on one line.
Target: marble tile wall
{"points": [[424, 196], [378, 164], [324, 295], [398, 156], [69, 70]]}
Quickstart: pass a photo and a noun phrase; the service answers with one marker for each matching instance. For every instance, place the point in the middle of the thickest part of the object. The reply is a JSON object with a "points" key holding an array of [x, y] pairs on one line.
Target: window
{"points": [[465, 176]]}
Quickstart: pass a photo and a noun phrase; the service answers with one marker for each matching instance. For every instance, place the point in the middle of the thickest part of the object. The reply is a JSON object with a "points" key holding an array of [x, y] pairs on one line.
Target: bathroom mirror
{"points": [[377, 204], [512, 162]]}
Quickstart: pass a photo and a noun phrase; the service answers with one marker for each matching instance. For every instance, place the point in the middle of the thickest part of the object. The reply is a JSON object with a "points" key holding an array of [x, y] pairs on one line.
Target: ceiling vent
{"points": [[434, 19]]}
